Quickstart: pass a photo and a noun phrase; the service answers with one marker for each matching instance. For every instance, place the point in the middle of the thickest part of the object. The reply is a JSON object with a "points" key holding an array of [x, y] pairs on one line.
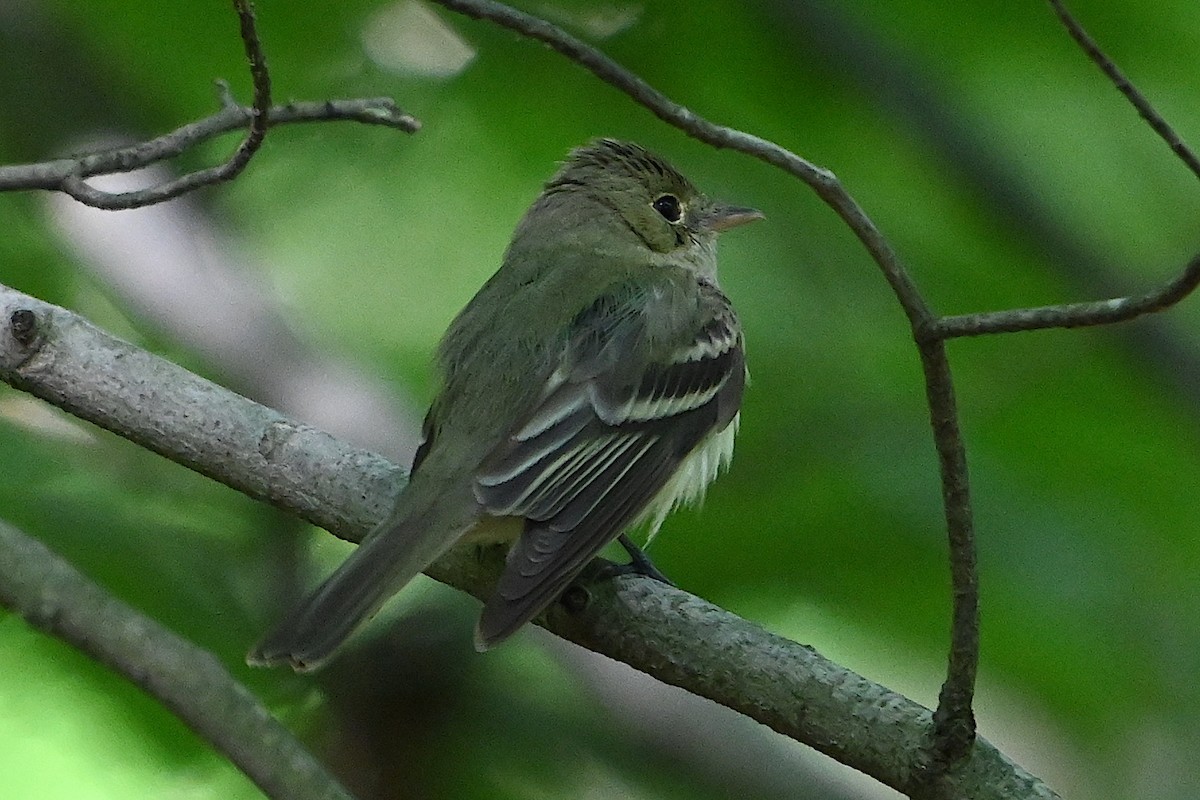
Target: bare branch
{"points": [[658, 629], [954, 721], [53, 596], [1073, 315], [260, 110], [1097, 312], [49, 175], [218, 434], [1135, 97], [75, 185], [69, 175]]}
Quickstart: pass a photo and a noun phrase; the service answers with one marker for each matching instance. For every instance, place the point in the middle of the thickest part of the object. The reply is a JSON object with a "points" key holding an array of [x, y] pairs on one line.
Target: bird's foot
{"points": [[639, 564]]}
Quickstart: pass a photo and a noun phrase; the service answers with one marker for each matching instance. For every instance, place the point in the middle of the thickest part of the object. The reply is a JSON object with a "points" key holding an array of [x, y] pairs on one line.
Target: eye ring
{"points": [[669, 207]]}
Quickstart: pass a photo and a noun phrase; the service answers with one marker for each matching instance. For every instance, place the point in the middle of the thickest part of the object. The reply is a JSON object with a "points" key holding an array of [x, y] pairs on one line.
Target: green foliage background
{"points": [[1083, 444]]}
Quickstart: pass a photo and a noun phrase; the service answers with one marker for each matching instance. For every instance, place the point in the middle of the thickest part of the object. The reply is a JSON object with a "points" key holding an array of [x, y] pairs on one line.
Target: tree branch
{"points": [[53, 596], [217, 433], [261, 77], [1096, 312], [824, 182], [1118, 79], [954, 720], [69, 175], [661, 630], [1073, 315], [74, 184]]}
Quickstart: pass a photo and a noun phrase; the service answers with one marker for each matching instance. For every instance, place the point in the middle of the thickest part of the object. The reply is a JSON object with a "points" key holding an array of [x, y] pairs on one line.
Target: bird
{"points": [[591, 386]]}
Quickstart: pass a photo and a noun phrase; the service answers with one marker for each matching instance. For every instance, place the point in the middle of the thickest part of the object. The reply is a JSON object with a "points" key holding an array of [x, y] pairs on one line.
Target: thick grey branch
{"points": [[658, 629], [194, 422], [52, 595]]}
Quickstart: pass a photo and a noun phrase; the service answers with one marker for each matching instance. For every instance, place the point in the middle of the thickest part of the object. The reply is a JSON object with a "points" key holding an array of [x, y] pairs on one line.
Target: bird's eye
{"points": [[668, 206]]}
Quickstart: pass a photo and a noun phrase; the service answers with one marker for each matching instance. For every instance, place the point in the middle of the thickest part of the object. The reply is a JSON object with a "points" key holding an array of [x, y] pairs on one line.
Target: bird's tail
{"points": [[388, 558]]}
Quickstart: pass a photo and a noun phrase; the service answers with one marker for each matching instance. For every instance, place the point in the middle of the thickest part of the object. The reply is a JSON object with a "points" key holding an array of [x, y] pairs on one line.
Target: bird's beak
{"points": [[722, 218]]}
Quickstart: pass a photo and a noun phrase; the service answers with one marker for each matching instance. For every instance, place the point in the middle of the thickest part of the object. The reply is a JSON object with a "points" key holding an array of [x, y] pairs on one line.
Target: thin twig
{"points": [[69, 175], [1073, 315], [1135, 97], [1096, 312], [51, 175], [261, 77], [75, 185], [897, 86], [52, 595], [954, 720]]}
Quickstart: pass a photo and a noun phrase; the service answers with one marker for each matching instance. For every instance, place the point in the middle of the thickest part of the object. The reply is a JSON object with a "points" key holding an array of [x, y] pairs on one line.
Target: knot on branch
{"points": [[22, 325]]}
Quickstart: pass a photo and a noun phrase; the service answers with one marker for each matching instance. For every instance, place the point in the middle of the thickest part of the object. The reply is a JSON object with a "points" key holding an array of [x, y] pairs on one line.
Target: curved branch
{"points": [[53, 596], [50, 175], [69, 175], [655, 628], [954, 723], [822, 181], [74, 184]]}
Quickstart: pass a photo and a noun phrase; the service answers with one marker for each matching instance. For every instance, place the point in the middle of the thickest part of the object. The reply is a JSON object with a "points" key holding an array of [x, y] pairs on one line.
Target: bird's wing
{"points": [[606, 437]]}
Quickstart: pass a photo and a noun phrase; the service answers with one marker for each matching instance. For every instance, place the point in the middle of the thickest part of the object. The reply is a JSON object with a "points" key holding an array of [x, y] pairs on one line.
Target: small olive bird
{"points": [[591, 385]]}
